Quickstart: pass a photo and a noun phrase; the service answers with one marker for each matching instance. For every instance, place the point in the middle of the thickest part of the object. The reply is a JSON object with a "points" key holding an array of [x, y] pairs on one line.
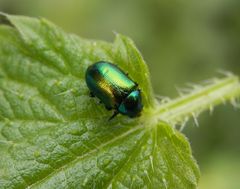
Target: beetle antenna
{"points": [[114, 115]]}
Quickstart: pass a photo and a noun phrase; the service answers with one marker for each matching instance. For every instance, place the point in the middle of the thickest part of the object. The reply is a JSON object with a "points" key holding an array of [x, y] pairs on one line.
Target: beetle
{"points": [[114, 88]]}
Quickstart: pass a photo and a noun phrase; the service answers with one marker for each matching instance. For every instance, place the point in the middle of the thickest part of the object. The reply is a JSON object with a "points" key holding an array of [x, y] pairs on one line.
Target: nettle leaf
{"points": [[52, 135]]}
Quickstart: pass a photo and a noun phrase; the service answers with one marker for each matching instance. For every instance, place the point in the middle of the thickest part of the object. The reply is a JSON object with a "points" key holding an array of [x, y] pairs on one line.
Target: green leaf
{"points": [[52, 135]]}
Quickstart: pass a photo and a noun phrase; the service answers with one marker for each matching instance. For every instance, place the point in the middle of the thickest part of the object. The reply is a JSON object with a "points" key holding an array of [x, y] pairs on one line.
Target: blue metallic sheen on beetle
{"points": [[115, 89]]}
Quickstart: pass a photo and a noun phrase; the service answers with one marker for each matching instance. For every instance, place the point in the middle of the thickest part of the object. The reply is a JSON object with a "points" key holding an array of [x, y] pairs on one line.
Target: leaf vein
{"points": [[88, 153]]}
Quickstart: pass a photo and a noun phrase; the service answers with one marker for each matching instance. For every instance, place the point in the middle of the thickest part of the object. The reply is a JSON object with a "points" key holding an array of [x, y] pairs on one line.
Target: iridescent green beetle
{"points": [[114, 88]]}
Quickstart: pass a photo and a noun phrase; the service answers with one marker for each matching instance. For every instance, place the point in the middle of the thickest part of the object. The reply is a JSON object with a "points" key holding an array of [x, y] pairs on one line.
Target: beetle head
{"points": [[132, 104]]}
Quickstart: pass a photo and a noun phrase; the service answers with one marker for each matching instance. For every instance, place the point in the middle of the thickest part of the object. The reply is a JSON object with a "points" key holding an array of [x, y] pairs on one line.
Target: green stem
{"points": [[179, 110]]}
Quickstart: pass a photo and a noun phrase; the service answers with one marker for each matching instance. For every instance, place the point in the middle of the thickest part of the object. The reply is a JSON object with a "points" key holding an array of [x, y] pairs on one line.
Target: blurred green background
{"points": [[181, 41]]}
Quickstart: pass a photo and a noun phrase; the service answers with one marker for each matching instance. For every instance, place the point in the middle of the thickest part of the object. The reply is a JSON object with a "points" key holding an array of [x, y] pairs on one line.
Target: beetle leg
{"points": [[108, 108], [91, 94], [114, 114]]}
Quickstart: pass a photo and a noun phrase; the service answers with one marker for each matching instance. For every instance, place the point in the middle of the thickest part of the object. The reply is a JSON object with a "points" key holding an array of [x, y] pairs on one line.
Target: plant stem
{"points": [[202, 98]]}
